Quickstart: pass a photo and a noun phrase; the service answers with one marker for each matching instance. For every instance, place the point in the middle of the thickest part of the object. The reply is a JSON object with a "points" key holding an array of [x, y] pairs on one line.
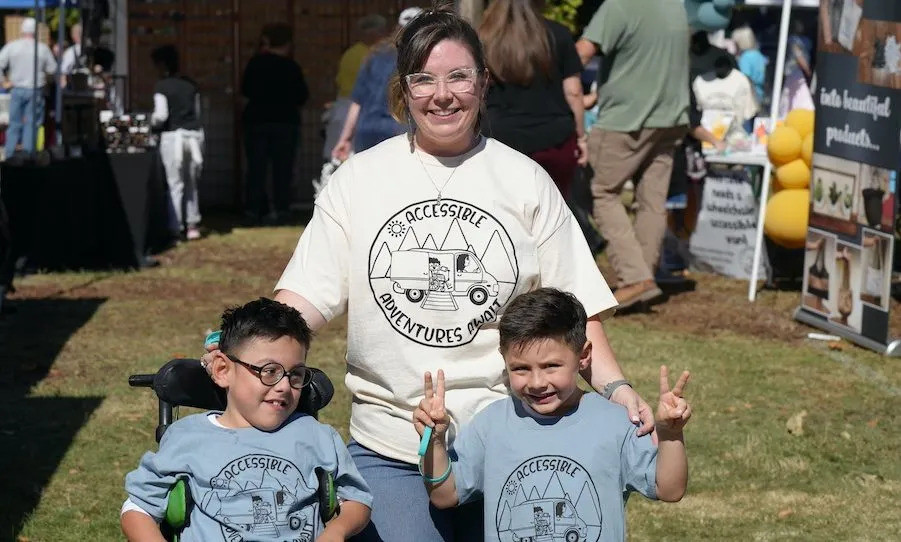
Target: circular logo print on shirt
{"points": [[262, 496], [440, 270], [549, 497]]}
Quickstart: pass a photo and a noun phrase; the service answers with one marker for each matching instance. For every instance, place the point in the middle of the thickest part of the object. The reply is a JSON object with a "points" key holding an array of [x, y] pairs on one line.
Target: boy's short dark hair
{"points": [[262, 319], [545, 313]]}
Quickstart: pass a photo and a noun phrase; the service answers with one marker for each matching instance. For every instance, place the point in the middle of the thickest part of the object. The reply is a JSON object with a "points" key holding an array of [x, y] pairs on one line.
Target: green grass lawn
{"points": [[70, 428]]}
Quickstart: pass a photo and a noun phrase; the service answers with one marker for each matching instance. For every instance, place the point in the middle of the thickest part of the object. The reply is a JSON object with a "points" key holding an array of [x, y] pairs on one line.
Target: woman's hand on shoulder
{"points": [[207, 359], [640, 411]]}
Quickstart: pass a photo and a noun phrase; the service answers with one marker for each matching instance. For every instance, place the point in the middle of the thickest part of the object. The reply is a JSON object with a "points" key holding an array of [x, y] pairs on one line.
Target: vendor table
{"points": [[97, 211], [737, 159]]}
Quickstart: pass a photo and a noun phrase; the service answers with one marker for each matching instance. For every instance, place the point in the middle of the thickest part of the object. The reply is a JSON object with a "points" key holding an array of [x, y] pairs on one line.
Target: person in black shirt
{"points": [[534, 103], [275, 88], [176, 112]]}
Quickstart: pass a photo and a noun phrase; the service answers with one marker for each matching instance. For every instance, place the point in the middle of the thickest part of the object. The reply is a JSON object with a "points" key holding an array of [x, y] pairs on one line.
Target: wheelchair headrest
{"points": [[184, 382]]}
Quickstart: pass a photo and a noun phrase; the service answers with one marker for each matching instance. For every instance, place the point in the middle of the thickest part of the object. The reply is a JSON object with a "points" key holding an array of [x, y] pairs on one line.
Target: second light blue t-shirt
{"points": [[554, 478]]}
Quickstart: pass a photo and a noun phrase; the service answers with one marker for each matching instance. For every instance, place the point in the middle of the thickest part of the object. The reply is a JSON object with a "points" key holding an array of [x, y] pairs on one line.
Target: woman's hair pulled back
{"points": [[416, 40]]}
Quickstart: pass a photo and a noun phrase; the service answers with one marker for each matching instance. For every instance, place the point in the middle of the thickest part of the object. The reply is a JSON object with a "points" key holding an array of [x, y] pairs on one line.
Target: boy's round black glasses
{"points": [[272, 373]]}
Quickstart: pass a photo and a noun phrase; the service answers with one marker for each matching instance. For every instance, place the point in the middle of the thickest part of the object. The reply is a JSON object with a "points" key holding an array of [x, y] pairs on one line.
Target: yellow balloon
{"points": [[784, 145], [807, 149], [794, 174], [801, 120], [786, 217]]}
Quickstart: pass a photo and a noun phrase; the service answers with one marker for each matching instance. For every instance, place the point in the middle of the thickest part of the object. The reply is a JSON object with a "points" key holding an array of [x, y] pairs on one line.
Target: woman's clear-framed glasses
{"points": [[272, 373], [458, 81]]}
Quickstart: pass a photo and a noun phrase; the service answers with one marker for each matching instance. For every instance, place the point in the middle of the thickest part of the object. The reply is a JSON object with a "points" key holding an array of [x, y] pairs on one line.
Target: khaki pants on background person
{"points": [[646, 157]]}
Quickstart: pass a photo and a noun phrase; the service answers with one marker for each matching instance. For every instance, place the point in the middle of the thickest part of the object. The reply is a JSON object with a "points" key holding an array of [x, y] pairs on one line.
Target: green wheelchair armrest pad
{"points": [[178, 509], [328, 497]]}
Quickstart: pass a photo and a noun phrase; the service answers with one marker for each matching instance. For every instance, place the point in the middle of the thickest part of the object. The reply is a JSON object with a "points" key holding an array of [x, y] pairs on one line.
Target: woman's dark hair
{"points": [[545, 313], [262, 319], [516, 41], [415, 41], [167, 57]]}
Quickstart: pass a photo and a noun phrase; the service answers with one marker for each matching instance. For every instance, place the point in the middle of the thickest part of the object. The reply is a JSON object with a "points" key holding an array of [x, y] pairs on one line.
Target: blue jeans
{"points": [[25, 104], [401, 511]]}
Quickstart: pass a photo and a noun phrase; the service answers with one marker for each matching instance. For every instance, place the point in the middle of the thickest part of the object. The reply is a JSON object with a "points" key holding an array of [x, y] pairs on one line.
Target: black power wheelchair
{"points": [[184, 382]]}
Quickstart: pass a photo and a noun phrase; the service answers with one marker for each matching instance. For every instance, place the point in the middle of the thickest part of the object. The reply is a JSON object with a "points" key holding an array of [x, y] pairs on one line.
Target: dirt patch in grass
{"points": [[719, 304], [247, 262]]}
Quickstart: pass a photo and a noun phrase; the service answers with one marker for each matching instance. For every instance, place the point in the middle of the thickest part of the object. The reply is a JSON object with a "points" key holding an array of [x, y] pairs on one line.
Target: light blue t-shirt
{"points": [[752, 63], [554, 478], [247, 484]]}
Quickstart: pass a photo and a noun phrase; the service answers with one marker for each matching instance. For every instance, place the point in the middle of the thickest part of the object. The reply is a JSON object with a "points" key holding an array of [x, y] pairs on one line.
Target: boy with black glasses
{"points": [[251, 468]]}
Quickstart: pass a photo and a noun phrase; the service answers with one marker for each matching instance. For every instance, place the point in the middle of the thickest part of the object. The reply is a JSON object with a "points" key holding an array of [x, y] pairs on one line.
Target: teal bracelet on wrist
{"points": [[424, 441], [423, 448], [438, 480]]}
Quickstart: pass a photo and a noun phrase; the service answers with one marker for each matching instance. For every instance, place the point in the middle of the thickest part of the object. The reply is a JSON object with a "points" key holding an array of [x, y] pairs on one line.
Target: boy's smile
{"points": [[544, 375], [252, 403]]}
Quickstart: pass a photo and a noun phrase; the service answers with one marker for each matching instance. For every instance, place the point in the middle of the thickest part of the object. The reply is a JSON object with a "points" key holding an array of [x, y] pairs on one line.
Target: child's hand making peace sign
{"points": [[673, 411], [431, 411]]}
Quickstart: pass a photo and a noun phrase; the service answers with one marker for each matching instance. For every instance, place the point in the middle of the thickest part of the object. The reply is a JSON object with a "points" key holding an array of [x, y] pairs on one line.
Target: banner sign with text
{"points": [[857, 140], [723, 239]]}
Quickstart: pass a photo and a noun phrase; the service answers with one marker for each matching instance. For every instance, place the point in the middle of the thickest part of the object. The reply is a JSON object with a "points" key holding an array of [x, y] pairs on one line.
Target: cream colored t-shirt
{"points": [[423, 281]]}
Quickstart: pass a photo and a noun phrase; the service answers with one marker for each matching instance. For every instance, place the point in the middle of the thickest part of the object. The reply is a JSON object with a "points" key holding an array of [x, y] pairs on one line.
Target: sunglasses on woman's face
{"points": [[272, 373]]}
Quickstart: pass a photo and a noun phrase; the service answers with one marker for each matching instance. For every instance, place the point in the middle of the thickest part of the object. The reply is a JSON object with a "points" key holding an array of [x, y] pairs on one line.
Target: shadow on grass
{"points": [[36, 432], [222, 222]]}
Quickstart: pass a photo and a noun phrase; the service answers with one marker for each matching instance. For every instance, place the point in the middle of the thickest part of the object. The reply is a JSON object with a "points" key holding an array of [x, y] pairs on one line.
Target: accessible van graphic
{"points": [[549, 498], [441, 270]]}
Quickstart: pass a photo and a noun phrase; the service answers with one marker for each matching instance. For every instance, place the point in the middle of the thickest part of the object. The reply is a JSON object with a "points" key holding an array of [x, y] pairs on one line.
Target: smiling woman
{"points": [[422, 240], [440, 85]]}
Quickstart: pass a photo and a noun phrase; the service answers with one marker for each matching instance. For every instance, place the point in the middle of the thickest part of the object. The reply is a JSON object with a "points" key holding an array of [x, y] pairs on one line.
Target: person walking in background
{"points": [[369, 122], [643, 115], [372, 28], [751, 61], [535, 98], [176, 112], [275, 89], [26, 103]]}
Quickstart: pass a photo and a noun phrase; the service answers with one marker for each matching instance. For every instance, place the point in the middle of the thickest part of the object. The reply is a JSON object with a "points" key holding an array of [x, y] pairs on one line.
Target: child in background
{"points": [[251, 468], [552, 461]]}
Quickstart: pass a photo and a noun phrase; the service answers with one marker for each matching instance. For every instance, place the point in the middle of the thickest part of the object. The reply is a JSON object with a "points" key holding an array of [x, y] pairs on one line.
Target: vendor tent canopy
{"points": [[795, 3]]}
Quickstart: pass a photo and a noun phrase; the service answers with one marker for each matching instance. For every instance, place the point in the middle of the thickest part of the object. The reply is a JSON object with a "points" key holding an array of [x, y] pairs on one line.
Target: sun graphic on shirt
{"points": [[396, 228]]}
